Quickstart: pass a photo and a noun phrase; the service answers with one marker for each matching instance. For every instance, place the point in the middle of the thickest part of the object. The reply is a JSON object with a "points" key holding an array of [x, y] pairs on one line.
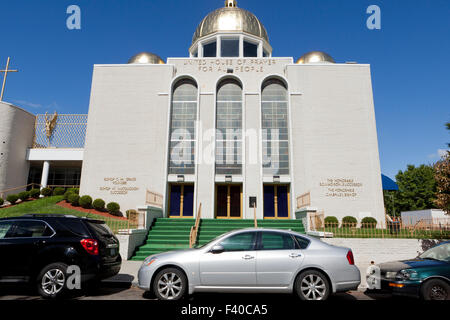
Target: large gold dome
{"points": [[230, 18], [315, 57]]}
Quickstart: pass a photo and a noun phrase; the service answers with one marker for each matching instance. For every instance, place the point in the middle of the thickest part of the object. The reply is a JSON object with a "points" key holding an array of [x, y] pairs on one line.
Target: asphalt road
{"points": [[114, 292]]}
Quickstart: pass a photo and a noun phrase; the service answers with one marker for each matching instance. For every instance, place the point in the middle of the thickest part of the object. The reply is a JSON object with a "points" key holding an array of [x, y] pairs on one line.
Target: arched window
{"points": [[275, 121], [229, 128], [182, 128]]}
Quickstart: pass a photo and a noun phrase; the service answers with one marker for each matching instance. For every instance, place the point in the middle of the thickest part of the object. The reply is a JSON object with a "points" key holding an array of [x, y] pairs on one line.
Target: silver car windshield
{"points": [[440, 252]]}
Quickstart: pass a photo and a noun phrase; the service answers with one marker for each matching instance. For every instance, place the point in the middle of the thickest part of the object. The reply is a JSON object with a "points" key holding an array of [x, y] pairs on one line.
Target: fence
{"points": [[154, 199], [68, 131], [422, 230], [304, 200], [120, 225]]}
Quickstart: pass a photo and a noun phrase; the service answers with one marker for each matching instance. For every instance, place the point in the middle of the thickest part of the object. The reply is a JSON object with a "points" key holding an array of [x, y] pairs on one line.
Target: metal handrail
{"points": [[2, 193], [194, 229]]}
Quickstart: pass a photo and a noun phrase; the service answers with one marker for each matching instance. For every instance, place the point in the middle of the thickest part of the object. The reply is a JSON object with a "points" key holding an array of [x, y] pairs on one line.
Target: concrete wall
{"points": [[126, 140], [129, 242], [335, 146], [378, 250], [16, 136]]}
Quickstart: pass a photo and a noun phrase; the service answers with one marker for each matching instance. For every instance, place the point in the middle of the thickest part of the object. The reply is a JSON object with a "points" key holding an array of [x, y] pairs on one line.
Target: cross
{"points": [[4, 77]]}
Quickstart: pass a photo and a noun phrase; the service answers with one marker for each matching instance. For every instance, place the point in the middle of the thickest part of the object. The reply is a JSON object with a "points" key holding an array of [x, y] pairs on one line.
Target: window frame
{"points": [[259, 243], [14, 226], [254, 246]]}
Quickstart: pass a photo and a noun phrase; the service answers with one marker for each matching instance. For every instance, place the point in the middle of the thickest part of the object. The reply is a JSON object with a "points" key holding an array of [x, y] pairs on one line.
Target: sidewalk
{"points": [[127, 276]]}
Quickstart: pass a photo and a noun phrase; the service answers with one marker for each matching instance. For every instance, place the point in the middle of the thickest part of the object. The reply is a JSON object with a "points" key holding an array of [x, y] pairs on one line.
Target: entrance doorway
{"points": [[181, 201], [276, 202], [228, 201]]}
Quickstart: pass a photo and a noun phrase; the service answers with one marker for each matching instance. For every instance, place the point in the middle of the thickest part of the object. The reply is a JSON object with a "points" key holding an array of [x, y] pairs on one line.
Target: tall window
{"points": [[229, 128], [182, 128], [275, 128]]}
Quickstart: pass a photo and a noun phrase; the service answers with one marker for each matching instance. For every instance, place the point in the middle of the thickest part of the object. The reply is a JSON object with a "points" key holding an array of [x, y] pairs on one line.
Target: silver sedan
{"points": [[253, 260]]}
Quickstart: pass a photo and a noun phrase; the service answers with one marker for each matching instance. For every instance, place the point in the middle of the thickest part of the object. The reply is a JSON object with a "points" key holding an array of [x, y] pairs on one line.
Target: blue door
{"points": [[276, 201], [181, 201], [175, 201]]}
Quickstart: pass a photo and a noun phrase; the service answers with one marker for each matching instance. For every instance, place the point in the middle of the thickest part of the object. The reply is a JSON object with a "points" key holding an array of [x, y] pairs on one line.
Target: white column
{"points": [[45, 171]]}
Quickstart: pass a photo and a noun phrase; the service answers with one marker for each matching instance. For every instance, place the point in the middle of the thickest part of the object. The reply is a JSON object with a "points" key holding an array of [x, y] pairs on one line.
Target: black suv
{"points": [[38, 249]]}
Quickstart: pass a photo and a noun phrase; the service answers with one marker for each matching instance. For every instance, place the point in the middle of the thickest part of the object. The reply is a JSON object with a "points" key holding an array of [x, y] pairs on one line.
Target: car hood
{"points": [[409, 264], [169, 254]]}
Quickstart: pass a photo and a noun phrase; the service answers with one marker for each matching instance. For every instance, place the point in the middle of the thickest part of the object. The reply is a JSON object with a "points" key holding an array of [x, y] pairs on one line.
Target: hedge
{"points": [[12, 198], [99, 204], [331, 221], [349, 221], [24, 195], [368, 222], [114, 209], [58, 191], [46, 192], [2, 201], [85, 202], [74, 199], [74, 190], [35, 193]]}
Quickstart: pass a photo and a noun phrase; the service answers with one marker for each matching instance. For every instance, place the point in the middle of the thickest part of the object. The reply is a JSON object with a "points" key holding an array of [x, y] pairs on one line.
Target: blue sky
{"points": [[410, 55]]}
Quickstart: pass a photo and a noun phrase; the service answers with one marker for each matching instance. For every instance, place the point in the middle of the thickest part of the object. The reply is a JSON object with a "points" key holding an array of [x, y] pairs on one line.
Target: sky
{"points": [[409, 55]]}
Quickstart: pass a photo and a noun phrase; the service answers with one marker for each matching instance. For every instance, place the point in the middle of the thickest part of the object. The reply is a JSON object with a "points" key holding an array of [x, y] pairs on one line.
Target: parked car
{"points": [[427, 276], [38, 249], [253, 260]]}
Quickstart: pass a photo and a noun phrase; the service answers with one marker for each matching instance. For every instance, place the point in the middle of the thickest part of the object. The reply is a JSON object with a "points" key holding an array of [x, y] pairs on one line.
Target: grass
{"points": [[348, 232], [49, 206]]}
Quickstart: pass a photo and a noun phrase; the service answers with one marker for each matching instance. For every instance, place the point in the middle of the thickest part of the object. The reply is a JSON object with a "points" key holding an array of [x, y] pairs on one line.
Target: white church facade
{"points": [[228, 126]]}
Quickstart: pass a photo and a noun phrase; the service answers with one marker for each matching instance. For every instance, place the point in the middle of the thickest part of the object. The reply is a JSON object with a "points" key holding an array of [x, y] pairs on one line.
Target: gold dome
{"points": [[230, 18], [315, 57], [145, 57]]}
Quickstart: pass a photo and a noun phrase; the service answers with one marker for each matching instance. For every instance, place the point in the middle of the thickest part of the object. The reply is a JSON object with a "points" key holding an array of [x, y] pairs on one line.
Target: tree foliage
{"points": [[442, 176], [417, 189]]}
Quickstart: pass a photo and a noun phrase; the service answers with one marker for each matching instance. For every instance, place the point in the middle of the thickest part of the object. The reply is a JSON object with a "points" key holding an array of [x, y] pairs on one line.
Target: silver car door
{"points": [[278, 259], [235, 266]]}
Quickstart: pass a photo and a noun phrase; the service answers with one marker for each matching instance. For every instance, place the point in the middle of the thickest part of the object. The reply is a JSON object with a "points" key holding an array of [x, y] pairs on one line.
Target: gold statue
{"points": [[50, 124]]}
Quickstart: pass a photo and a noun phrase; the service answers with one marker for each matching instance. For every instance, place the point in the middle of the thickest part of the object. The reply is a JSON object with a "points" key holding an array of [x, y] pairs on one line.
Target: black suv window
{"points": [[276, 241], [30, 229], [5, 229], [240, 242], [100, 229]]}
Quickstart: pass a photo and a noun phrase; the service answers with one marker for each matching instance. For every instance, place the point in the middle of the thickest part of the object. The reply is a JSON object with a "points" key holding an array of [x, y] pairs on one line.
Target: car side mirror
{"points": [[217, 249]]}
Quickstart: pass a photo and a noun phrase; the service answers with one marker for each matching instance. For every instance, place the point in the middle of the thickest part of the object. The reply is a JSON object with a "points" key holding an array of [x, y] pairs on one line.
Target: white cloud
{"points": [[442, 152], [27, 104]]}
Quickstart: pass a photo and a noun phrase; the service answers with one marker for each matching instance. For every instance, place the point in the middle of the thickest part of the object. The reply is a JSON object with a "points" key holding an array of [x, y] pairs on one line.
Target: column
{"points": [[45, 171]]}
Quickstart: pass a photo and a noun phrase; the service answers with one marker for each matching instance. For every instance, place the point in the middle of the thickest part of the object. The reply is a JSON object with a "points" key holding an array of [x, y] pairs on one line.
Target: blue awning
{"points": [[388, 183]]}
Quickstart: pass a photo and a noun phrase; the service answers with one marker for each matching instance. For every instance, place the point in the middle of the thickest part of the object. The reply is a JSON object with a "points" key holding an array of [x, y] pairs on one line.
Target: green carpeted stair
{"points": [[173, 234]]}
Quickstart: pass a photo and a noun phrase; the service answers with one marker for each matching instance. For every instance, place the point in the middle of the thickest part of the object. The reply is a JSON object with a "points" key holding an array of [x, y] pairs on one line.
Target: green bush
{"points": [[12, 198], [131, 213], [35, 193], [349, 221], [2, 201], [368, 222], [46, 192], [67, 194], [74, 199], [99, 204], [74, 190], [331, 221], [85, 202], [24, 195], [114, 209], [58, 191]]}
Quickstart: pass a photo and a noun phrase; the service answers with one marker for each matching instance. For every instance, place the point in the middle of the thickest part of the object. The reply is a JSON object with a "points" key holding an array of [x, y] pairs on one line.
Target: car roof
{"points": [[272, 230], [49, 216]]}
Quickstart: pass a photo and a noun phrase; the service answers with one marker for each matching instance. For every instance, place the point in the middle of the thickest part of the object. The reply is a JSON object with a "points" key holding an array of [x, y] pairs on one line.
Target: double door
{"points": [[228, 201]]}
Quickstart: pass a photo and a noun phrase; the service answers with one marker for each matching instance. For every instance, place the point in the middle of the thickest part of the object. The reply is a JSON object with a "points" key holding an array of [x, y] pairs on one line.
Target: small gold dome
{"points": [[315, 57], [230, 18], [145, 58]]}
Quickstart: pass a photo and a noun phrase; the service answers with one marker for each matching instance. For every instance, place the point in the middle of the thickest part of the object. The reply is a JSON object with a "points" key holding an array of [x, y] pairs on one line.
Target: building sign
{"points": [[244, 65], [119, 185], [341, 188]]}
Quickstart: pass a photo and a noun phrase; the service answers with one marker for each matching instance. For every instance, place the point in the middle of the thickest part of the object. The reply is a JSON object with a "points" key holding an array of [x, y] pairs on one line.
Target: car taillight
{"points": [[91, 246], [350, 257]]}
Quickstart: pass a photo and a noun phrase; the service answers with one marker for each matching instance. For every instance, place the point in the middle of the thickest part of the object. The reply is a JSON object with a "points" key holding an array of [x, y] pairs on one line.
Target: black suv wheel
{"points": [[51, 281]]}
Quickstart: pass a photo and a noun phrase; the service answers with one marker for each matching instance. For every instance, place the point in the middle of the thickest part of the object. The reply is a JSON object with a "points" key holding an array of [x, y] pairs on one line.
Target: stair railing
{"points": [[194, 228]]}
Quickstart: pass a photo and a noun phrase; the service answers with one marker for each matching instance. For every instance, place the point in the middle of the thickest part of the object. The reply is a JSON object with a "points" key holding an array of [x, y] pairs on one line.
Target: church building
{"points": [[231, 127]]}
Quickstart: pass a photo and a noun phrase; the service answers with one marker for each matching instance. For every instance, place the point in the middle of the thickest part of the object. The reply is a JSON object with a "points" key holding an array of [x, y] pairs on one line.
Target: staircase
{"points": [[173, 234]]}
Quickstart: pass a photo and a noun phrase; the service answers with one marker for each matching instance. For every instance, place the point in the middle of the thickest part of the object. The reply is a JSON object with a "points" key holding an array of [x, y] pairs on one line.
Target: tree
{"points": [[442, 176], [417, 188]]}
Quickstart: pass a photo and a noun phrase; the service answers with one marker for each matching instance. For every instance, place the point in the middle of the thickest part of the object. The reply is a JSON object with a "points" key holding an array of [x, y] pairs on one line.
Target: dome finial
{"points": [[230, 4]]}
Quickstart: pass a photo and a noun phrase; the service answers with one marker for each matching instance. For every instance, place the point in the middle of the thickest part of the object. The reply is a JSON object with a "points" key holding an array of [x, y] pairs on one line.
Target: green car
{"points": [[427, 276]]}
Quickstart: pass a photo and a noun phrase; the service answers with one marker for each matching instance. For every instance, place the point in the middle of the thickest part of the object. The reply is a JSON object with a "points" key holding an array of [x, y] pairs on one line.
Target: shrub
{"points": [[35, 193], [12, 198], [331, 221], [349, 221], [24, 195], [58, 191], [85, 202], [67, 194], [2, 201], [74, 199], [74, 190], [46, 192], [368, 222], [114, 209], [99, 204], [131, 214]]}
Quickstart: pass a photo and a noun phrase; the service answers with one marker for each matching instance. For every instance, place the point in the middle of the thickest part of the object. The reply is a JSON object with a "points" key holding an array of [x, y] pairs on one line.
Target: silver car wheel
{"points": [[170, 286], [53, 281], [313, 287]]}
